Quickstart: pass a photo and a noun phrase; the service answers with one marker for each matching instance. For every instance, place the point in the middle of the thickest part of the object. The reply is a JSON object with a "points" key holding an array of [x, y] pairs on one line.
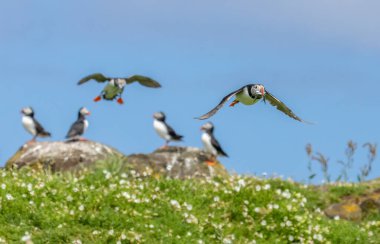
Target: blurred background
{"points": [[319, 57]]}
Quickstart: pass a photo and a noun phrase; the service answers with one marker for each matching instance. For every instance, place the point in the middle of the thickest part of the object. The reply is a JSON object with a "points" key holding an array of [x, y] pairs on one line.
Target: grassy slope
{"points": [[108, 205]]}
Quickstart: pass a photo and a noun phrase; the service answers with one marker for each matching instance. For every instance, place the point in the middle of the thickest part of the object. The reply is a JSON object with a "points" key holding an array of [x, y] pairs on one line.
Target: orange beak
{"points": [[262, 90]]}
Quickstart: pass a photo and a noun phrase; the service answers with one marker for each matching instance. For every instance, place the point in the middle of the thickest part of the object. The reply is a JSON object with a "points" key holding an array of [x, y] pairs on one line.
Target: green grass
{"points": [[107, 205]]}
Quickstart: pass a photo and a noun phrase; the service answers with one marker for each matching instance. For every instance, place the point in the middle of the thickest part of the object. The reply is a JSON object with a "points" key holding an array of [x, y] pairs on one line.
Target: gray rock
{"points": [[178, 162], [175, 162], [60, 156]]}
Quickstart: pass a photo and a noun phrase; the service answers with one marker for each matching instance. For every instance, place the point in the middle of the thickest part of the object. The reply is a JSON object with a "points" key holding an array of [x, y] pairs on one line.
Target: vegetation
{"points": [[346, 164], [114, 205]]}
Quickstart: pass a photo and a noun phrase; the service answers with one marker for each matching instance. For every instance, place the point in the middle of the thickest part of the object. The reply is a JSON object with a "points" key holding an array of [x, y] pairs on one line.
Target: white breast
{"points": [[29, 125], [86, 124], [161, 129], [206, 139], [244, 97]]}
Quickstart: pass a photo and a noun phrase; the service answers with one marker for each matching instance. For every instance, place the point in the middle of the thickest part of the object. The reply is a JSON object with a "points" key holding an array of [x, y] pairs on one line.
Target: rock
{"points": [[348, 211], [60, 156], [177, 162], [355, 207]]}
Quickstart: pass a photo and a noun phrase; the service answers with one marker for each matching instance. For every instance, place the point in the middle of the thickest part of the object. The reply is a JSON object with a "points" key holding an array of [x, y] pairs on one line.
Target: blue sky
{"points": [[320, 57]]}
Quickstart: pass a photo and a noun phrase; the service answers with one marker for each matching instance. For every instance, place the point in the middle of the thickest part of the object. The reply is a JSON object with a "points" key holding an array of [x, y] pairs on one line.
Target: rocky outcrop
{"points": [[354, 208], [175, 162], [61, 156]]}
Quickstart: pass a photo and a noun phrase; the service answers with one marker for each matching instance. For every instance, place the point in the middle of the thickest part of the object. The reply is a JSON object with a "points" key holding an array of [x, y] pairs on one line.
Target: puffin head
{"points": [[258, 89], [208, 127], [84, 111], [28, 111], [160, 116]]}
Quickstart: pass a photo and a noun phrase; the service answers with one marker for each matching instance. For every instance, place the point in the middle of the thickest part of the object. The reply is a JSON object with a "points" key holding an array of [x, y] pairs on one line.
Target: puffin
{"points": [[249, 95], [115, 86], [31, 125], [78, 127], [210, 143], [164, 130]]}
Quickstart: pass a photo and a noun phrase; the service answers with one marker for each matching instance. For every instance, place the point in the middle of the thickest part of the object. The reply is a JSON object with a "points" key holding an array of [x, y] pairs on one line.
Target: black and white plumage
{"points": [[115, 86], [210, 143], [249, 95], [31, 125], [78, 128], [164, 130]]}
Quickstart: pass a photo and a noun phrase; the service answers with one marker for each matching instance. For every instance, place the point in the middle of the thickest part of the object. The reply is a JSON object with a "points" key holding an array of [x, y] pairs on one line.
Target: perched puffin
{"points": [[115, 87], [249, 95], [31, 124], [78, 127], [211, 145], [164, 130]]}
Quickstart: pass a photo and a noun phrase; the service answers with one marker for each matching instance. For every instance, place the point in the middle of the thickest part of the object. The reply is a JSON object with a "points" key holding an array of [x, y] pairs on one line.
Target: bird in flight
{"points": [[115, 87], [249, 95]]}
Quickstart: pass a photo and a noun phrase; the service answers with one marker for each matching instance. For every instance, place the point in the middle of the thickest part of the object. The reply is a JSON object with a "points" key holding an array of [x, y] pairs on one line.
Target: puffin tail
{"points": [[178, 138], [44, 134]]}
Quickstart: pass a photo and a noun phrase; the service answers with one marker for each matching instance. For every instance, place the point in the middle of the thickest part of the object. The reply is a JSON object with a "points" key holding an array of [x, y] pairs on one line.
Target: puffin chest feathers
{"points": [[246, 98], [161, 129], [29, 125], [206, 139]]}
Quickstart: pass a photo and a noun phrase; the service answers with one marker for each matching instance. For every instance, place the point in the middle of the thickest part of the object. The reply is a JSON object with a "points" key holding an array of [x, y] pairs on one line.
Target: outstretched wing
{"points": [[97, 76], [143, 80], [220, 105], [281, 106]]}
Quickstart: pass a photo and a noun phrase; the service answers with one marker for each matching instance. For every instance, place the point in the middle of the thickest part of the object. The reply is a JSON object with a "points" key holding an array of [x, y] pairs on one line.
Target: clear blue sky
{"points": [[321, 58]]}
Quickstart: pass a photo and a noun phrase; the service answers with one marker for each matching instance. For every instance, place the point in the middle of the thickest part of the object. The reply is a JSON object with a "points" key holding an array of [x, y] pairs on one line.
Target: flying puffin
{"points": [[78, 127], [249, 95], [32, 125], [210, 143], [115, 87], [164, 130]]}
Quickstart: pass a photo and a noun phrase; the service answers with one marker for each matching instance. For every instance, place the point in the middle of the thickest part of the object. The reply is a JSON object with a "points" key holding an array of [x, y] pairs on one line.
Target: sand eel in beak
{"points": [[249, 95], [164, 130], [78, 128], [115, 87], [210, 144], [31, 125]]}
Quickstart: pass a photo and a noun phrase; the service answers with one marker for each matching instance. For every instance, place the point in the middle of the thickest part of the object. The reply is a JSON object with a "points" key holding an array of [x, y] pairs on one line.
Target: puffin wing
{"points": [[143, 80], [76, 129], [173, 134], [217, 146], [40, 130], [281, 106], [220, 105], [97, 76]]}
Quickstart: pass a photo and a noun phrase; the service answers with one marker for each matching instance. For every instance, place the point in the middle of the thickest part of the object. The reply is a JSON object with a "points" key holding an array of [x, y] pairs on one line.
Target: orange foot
{"points": [[211, 163], [234, 103], [82, 139], [97, 99], [120, 101]]}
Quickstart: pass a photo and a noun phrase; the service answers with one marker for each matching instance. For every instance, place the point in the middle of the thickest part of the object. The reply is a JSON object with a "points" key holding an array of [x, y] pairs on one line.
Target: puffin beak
{"points": [[262, 90]]}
